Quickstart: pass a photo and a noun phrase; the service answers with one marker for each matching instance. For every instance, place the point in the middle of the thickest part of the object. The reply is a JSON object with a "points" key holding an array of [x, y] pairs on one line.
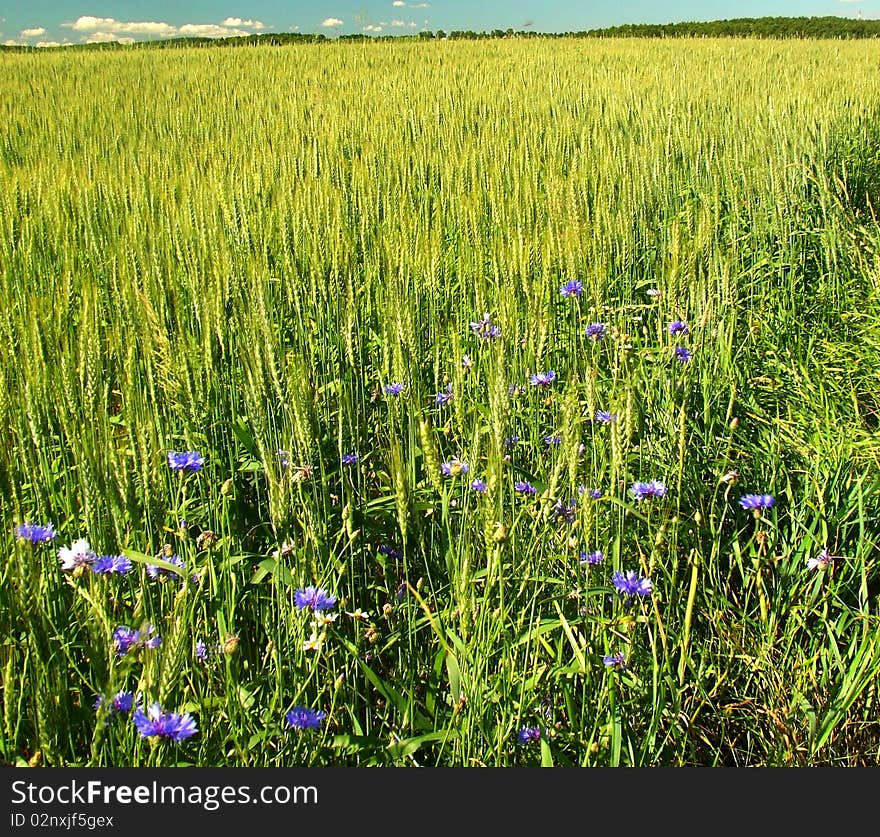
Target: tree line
{"points": [[758, 27]]}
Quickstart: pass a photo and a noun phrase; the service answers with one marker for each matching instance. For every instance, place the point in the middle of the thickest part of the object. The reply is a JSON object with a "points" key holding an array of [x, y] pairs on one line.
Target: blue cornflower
{"points": [[485, 329], [122, 702], [565, 511], [349, 459], [595, 493], [572, 288], [316, 598], [524, 488], [444, 397], [188, 460], [543, 379], [36, 532], [510, 441], [110, 564], [528, 735], [682, 354], [641, 490], [78, 554], [302, 717], [614, 660], [822, 561], [552, 441], [171, 725], [394, 389], [592, 558], [156, 572], [631, 584], [391, 552], [479, 486], [283, 458], [126, 639], [757, 501], [679, 327], [604, 417], [597, 331], [454, 467]]}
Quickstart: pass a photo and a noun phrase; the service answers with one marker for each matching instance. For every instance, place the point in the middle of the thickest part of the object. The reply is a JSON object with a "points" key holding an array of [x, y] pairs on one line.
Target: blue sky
{"points": [[49, 22]]}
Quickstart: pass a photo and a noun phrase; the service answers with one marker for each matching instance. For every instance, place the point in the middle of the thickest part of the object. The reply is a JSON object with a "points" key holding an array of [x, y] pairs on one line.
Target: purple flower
{"points": [[597, 331], [592, 558], [316, 598], [444, 397], [510, 441], [154, 571], [394, 389], [111, 564], [479, 486], [757, 501], [682, 354], [604, 417], [156, 723], [822, 561], [283, 458], [126, 639], [552, 441], [614, 660], [572, 288], [454, 467], [78, 554], [641, 490], [35, 532], [349, 459], [524, 488], [188, 460], [302, 717], [122, 702], [631, 584], [391, 552], [595, 493], [484, 328], [678, 327], [201, 650], [528, 735], [565, 511], [543, 379]]}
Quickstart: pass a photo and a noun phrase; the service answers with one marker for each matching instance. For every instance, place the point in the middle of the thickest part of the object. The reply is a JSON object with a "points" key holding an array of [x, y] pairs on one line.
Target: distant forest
{"points": [[747, 27]]}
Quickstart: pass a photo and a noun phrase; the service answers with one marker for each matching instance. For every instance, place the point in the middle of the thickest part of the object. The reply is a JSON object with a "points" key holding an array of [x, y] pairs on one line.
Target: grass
{"points": [[240, 258]]}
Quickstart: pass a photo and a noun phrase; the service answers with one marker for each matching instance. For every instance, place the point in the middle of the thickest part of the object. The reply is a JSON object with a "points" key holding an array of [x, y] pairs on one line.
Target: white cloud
{"points": [[849, 1], [108, 24], [44, 44], [372, 28], [293, 28], [109, 28], [420, 5], [209, 30], [106, 38], [398, 3], [398, 23], [248, 24], [33, 33], [10, 42], [332, 21]]}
